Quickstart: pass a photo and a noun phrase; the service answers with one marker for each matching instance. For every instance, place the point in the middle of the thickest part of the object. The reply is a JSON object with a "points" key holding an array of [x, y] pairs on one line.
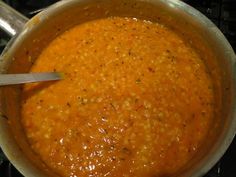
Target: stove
{"points": [[221, 12]]}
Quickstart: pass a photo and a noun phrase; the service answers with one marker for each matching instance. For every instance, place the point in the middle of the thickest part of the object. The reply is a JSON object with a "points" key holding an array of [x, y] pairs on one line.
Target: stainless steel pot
{"points": [[31, 36]]}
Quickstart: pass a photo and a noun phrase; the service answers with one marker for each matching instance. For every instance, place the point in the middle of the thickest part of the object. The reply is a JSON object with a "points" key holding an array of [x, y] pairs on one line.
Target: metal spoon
{"points": [[12, 79]]}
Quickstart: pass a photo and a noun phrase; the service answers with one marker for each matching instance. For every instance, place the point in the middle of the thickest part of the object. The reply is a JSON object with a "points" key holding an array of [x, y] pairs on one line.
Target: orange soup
{"points": [[136, 101]]}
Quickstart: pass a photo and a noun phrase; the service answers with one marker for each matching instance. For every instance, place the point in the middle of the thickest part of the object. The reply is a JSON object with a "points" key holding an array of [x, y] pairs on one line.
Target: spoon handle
{"points": [[12, 79]]}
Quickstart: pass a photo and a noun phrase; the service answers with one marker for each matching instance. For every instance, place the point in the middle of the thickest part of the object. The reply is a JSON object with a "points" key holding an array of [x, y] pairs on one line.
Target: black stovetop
{"points": [[221, 12]]}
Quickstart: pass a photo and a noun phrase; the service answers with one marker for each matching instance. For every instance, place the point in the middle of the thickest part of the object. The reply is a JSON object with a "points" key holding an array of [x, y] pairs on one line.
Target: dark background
{"points": [[221, 12]]}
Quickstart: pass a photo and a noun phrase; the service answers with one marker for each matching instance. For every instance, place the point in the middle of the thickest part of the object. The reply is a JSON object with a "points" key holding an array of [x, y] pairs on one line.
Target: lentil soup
{"points": [[136, 100]]}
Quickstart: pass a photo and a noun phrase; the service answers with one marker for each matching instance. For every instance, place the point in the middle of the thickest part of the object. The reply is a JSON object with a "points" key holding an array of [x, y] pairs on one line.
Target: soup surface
{"points": [[135, 101]]}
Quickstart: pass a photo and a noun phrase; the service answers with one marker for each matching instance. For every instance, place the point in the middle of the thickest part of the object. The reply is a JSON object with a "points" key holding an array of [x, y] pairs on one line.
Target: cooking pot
{"points": [[31, 36]]}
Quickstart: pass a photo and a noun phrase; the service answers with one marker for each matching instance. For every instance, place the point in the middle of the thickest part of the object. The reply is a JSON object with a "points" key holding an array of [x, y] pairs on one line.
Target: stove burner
{"points": [[6, 168], [222, 13]]}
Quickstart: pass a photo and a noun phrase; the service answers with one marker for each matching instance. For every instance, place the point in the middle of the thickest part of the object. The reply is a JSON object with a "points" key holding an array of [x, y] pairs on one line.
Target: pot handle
{"points": [[11, 21]]}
